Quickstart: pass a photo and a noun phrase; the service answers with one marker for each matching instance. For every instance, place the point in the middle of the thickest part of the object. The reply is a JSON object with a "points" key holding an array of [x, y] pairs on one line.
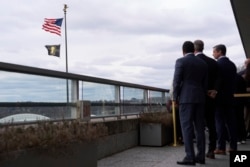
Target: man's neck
{"points": [[196, 53], [185, 54]]}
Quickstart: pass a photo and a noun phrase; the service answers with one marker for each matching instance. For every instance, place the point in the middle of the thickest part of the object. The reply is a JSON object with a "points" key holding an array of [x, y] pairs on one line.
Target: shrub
{"points": [[48, 135], [157, 117]]}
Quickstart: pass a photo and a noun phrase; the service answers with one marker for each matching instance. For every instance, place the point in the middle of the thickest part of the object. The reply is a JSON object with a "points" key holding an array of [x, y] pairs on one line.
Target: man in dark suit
{"points": [[189, 92], [224, 115], [239, 103], [245, 74], [210, 102]]}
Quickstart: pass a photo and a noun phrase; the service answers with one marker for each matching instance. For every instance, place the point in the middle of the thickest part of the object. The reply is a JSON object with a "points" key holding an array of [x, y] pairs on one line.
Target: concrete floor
{"points": [[161, 157]]}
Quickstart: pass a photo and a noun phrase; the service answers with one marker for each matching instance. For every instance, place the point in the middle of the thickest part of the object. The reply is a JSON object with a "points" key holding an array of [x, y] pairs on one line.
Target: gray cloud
{"points": [[136, 41]]}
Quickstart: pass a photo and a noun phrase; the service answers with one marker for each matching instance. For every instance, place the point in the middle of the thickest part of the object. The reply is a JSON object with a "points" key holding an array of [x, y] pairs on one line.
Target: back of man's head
{"points": [[188, 47], [198, 45], [222, 48]]}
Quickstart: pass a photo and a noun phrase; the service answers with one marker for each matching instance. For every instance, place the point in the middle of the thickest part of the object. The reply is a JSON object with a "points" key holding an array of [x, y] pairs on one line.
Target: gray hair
{"points": [[198, 45]]}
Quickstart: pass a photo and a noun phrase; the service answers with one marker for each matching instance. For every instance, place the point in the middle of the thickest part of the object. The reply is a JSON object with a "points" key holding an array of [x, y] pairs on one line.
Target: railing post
{"points": [[117, 100], [163, 95], [74, 97], [146, 100], [83, 110]]}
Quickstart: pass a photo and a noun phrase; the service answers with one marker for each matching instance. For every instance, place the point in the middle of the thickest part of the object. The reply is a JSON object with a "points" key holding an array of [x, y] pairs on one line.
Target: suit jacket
{"points": [[226, 82], [190, 80], [240, 87], [212, 70]]}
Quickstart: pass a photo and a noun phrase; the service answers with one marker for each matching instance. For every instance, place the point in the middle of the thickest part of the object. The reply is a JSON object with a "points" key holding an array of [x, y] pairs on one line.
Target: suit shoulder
{"points": [[181, 59], [201, 60], [206, 58]]}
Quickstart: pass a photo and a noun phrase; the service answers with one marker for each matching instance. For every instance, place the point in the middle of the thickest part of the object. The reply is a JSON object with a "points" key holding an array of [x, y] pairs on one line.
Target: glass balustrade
{"points": [[30, 94]]}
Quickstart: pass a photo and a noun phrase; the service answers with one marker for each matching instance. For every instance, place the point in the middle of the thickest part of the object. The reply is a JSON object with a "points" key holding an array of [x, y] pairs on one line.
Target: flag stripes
{"points": [[53, 25]]}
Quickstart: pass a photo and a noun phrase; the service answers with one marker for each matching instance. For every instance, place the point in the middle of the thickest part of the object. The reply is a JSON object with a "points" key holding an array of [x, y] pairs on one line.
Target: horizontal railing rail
{"points": [[64, 75]]}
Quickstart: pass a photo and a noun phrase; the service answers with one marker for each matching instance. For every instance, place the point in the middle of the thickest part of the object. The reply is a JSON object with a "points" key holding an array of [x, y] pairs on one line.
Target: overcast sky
{"points": [[136, 41]]}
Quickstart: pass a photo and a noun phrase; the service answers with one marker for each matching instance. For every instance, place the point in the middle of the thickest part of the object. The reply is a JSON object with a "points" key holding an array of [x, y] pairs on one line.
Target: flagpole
{"points": [[66, 48]]}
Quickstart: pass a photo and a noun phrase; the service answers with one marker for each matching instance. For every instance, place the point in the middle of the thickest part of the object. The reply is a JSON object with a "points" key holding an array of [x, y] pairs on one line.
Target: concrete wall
{"points": [[123, 134]]}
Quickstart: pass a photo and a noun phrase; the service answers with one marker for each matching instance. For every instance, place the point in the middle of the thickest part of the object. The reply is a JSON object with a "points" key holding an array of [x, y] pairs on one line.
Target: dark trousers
{"points": [[210, 123], [192, 120], [178, 125], [225, 120], [247, 116], [241, 128]]}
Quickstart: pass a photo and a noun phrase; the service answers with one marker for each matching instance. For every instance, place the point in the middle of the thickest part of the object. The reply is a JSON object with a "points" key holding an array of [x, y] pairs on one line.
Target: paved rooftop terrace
{"points": [[165, 156]]}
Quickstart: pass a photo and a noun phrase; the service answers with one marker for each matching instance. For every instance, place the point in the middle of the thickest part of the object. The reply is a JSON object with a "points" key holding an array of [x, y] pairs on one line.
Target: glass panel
{"points": [[32, 97], [155, 101], [17, 87], [133, 95], [155, 97], [133, 100], [101, 96]]}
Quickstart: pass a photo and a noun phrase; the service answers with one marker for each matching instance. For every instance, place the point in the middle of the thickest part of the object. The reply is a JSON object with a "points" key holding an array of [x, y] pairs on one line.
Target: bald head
{"points": [[198, 45]]}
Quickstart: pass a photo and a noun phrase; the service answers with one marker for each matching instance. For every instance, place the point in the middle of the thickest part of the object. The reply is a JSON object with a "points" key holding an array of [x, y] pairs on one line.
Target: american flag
{"points": [[53, 25]]}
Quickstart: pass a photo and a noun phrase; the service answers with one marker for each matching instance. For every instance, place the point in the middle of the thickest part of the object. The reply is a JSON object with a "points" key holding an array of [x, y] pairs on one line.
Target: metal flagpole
{"points": [[66, 48]]}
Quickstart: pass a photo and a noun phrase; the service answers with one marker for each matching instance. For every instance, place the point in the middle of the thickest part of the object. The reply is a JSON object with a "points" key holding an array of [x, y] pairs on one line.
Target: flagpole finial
{"points": [[65, 7]]}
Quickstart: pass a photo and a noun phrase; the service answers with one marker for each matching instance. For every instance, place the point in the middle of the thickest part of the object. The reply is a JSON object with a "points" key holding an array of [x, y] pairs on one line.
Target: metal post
{"points": [[66, 48]]}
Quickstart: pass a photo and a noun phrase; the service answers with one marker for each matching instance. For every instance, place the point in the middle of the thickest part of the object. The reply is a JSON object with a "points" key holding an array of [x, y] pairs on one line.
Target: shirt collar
{"points": [[198, 53], [188, 54], [222, 57]]}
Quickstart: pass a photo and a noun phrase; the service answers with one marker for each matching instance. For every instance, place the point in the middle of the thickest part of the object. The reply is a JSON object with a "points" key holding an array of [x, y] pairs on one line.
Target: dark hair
{"points": [[221, 48], [188, 47], [198, 45]]}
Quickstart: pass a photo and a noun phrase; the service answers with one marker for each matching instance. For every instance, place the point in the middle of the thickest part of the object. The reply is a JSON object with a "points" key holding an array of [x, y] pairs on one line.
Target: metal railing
{"points": [[41, 93]]}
